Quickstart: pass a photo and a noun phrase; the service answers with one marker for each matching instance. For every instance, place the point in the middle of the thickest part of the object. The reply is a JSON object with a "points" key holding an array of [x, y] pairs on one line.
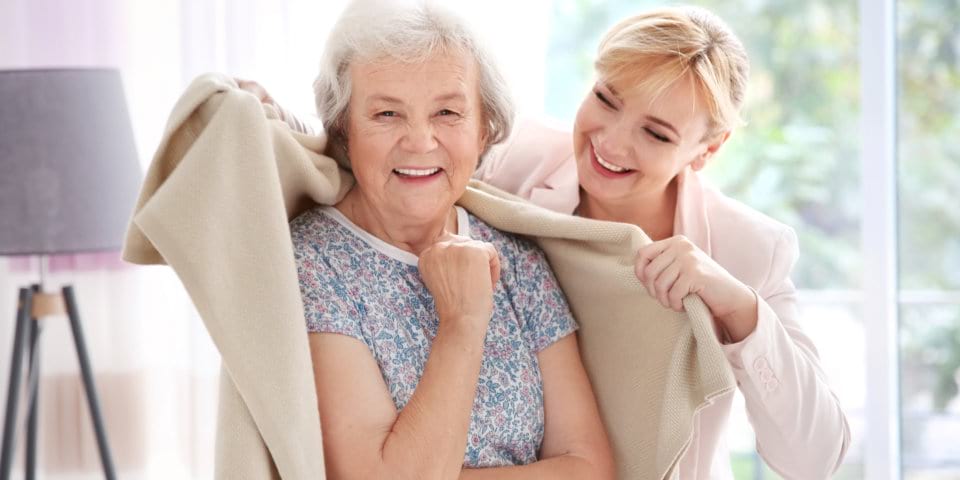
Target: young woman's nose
{"points": [[616, 141]]}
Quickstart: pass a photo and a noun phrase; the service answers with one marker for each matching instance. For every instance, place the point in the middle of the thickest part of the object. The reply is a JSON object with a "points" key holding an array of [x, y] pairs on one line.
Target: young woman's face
{"points": [[631, 146]]}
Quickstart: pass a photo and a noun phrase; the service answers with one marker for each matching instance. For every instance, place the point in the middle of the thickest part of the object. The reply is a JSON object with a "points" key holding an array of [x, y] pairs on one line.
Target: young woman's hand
{"points": [[673, 268], [260, 92]]}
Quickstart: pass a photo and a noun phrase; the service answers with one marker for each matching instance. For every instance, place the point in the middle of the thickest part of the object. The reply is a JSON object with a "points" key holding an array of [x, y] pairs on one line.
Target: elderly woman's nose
{"points": [[420, 138]]}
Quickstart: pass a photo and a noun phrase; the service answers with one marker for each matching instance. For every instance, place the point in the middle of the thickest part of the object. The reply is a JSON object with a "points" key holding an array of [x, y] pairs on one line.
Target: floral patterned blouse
{"points": [[355, 284]]}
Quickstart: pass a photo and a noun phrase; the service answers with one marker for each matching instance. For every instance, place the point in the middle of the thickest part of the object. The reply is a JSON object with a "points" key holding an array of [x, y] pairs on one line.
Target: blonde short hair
{"points": [[653, 50], [408, 31]]}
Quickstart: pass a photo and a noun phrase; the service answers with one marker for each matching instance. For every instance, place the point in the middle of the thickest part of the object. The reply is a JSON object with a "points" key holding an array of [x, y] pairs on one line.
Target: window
{"points": [[928, 160]]}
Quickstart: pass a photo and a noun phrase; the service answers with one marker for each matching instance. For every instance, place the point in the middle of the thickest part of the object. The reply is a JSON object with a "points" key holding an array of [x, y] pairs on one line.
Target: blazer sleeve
{"points": [[800, 428], [536, 163]]}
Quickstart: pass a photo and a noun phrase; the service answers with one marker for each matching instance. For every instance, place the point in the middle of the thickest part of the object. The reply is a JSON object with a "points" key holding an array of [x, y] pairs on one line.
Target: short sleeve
{"points": [[327, 301], [547, 316]]}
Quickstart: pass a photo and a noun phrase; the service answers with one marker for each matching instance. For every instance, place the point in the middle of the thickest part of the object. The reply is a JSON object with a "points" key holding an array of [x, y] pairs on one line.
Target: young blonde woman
{"points": [[670, 85]]}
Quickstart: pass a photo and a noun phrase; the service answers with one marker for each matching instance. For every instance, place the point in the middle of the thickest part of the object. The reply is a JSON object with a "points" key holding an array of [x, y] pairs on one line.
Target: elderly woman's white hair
{"points": [[407, 31]]}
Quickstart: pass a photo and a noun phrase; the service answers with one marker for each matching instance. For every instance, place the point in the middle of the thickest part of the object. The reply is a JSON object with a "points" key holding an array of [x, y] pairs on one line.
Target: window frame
{"points": [[878, 143]]}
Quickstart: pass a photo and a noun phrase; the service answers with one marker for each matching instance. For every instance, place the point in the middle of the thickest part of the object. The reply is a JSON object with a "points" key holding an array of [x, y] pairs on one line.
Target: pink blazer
{"points": [[800, 428]]}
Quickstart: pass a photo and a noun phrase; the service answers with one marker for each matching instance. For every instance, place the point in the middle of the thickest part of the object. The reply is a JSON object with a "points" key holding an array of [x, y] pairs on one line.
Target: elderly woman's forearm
{"points": [[429, 437], [560, 467]]}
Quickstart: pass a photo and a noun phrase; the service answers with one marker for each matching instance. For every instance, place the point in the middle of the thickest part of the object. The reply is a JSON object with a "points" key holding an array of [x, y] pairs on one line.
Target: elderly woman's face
{"points": [[415, 133]]}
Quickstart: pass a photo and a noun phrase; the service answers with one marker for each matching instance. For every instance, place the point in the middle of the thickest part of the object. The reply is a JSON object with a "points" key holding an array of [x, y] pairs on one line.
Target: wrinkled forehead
{"points": [[442, 73]]}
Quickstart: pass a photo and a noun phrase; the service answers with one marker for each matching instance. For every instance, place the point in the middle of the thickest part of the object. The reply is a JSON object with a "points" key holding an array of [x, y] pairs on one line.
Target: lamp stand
{"points": [[34, 304]]}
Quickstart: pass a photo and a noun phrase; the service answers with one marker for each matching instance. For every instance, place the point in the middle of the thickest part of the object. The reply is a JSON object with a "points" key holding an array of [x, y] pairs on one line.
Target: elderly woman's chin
{"points": [[425, 198]]}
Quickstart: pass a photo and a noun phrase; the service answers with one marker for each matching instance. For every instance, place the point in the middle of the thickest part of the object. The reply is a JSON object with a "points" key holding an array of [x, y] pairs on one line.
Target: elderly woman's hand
{"points": [[461, 274]]}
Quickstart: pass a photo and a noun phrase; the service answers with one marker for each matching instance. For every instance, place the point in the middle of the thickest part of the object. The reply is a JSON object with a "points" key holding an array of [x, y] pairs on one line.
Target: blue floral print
{"points": [[353, 284]]}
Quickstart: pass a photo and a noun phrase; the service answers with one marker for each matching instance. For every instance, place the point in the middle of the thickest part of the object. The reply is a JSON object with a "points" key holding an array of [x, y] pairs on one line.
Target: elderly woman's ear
{"points": [[484, 145]]}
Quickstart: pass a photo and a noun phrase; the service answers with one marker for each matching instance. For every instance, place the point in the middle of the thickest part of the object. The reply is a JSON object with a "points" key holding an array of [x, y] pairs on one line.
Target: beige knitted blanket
{"points": [[215, 206]]}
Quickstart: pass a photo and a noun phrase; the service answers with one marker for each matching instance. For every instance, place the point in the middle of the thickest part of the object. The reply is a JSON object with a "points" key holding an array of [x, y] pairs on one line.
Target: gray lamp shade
{"points": [[69, 172]]}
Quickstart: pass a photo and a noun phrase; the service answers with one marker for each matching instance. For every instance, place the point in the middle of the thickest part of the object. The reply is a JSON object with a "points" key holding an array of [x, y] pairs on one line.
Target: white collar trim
{"points": [[463, 229]]}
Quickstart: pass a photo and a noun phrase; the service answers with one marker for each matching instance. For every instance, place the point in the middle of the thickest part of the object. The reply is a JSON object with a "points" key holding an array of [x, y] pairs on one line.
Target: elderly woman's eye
{"points": [[387, 113], [446, 112]]}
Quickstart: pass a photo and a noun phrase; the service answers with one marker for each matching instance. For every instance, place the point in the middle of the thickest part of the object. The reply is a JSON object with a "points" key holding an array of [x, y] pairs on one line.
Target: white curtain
{"points": [[155, 367]]}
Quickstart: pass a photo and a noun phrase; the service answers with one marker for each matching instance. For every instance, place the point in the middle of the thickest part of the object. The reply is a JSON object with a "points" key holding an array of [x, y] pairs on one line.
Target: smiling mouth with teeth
{"points": [[609, 166], [413, 172]]}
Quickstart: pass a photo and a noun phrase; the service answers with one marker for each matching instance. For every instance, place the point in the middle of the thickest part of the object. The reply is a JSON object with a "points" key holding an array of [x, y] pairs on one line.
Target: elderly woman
{"points": [[442, 347]]}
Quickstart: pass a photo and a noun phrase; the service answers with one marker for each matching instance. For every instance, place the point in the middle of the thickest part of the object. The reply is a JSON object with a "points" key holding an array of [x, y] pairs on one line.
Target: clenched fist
{"points": [[461, 275]]}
